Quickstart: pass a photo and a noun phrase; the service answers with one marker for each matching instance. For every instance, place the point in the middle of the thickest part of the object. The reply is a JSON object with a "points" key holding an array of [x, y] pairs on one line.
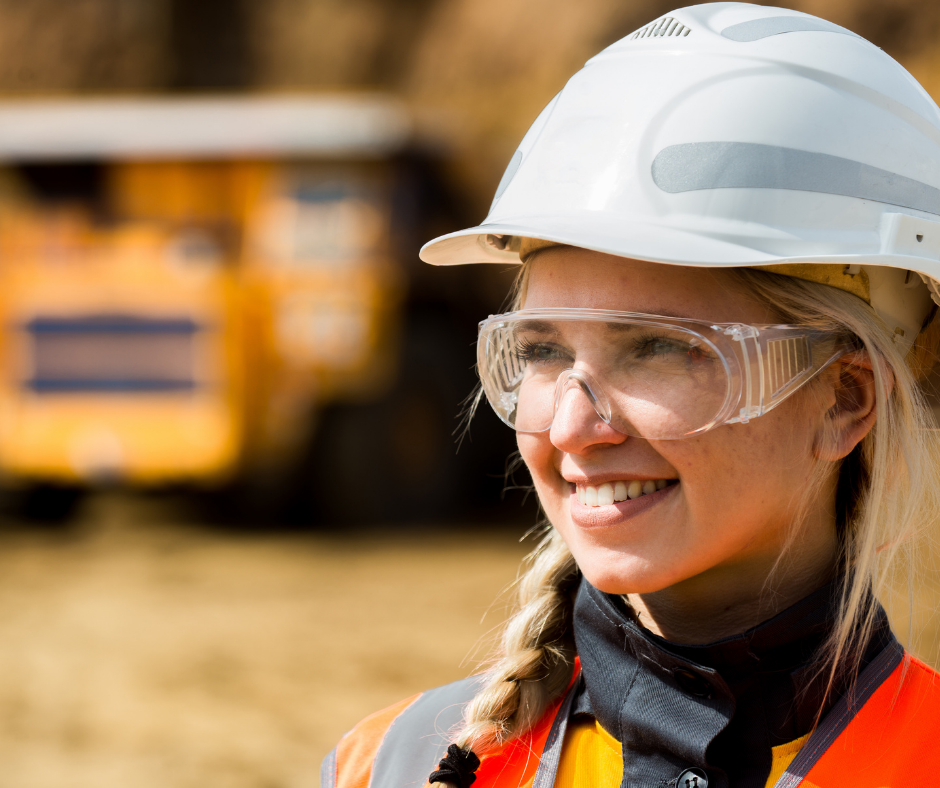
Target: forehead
{"points": [[572, 277]]}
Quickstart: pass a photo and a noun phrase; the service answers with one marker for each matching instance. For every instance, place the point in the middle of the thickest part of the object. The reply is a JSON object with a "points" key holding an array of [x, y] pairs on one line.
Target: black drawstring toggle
{"points": [[457, 767]]}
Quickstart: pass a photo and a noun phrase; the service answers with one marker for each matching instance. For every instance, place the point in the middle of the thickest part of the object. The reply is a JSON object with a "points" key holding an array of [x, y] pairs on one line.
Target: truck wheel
{"points": [[394, 459], [43, 504]]}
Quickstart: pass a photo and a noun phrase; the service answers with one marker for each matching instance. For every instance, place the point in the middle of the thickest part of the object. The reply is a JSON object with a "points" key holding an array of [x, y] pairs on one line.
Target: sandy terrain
{"points": [[139, 654], [135, 652]]}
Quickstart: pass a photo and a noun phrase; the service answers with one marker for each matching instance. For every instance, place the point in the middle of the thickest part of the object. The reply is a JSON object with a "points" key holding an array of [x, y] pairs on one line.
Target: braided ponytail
{"points": [[536, 654], [537, 649]]}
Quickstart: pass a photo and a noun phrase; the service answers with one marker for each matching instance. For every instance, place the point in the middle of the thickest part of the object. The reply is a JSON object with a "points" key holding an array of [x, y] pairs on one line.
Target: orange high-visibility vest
{"points": [[886, 734]]}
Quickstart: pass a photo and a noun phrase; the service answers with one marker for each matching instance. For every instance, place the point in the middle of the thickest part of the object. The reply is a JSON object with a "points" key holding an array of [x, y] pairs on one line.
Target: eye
{"points": [[660, 346], [671, 349], [538, 352]]}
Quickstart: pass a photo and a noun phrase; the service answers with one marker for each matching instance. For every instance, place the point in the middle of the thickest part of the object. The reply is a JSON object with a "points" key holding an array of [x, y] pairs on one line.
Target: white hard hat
{"points": [[730, 134]]}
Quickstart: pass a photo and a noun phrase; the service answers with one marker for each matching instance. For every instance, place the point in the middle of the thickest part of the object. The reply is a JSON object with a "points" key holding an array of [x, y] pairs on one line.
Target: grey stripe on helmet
{"points": [[695, 166], [756, 29], [419, 737]]}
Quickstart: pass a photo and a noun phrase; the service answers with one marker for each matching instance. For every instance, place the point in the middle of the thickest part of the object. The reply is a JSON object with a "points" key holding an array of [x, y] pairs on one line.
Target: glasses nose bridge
{"points": [[586, 383]]}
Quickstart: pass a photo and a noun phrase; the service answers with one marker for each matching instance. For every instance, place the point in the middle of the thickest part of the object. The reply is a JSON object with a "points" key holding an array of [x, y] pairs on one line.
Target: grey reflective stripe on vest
{"points": [[694, 166], [551, 754], [839, 717], [328, 771], [419, 736], [757, 29]]}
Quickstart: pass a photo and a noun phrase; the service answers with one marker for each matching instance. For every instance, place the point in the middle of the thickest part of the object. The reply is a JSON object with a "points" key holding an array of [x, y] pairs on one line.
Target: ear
{"points": [[851, 415]]}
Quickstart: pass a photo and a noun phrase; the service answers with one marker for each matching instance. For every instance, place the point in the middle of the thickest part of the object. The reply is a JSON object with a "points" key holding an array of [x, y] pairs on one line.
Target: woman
{"points": [[728, 225]]}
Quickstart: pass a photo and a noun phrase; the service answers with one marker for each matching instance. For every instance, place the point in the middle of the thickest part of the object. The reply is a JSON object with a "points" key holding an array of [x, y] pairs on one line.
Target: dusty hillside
{"points": [[476, 71]]}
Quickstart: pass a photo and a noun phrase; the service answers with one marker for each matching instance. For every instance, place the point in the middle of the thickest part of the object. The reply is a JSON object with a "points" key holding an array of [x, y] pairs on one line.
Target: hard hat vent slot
{"points": [[667, 26], [902, 234]]}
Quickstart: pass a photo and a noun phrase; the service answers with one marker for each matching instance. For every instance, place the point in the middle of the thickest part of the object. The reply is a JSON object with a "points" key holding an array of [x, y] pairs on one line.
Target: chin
{"points": [[622, 579]]}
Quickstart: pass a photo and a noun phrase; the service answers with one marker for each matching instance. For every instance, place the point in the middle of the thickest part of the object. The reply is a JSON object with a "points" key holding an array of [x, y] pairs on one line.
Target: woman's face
{"points": [[728, 497]]}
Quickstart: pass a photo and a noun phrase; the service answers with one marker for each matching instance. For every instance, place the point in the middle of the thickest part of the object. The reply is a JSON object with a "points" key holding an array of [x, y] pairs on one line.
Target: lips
{"points": [[600, 515]]}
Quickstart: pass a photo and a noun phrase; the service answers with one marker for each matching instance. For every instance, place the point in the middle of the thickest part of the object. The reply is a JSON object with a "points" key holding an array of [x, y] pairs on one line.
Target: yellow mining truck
{"points": [[187, 285]]}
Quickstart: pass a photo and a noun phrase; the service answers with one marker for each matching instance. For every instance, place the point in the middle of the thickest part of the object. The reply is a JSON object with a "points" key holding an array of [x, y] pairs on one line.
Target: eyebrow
{"points": [[535, 327], [662, 312], [550, 327]]}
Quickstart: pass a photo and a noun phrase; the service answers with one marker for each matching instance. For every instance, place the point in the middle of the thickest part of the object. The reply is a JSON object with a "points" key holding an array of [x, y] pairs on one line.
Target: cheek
{"points": [[747, 467], [540, 457], [538, 454]]}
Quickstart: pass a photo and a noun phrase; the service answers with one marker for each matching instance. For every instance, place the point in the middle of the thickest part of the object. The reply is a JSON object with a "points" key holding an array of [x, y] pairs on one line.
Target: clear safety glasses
{"points": [[659, 378]]}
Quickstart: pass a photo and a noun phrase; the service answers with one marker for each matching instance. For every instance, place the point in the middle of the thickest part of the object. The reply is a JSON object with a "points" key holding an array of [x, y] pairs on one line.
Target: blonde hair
{"points": [[888, 487]]}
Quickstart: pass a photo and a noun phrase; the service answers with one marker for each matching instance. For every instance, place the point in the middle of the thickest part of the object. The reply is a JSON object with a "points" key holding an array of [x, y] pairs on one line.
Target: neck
{"points": [[706, 609]]}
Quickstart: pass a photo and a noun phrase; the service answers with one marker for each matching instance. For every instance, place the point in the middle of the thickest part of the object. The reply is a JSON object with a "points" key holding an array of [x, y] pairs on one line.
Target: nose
{"points": [[581, 414]]}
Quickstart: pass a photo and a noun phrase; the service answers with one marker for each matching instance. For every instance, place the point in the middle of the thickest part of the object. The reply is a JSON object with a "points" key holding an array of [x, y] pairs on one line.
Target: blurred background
{"points": [[233, 514]]}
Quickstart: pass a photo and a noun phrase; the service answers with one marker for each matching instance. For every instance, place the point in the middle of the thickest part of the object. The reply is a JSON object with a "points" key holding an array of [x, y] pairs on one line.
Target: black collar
{"points": [[718, 707]]}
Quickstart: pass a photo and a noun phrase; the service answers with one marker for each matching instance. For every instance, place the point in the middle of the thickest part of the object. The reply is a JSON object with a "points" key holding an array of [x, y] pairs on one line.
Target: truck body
{"points": [[186, 285]]}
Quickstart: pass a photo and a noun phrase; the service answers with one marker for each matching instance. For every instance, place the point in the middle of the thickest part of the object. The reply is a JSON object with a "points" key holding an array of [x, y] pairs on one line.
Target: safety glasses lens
{"points": [[652, 381]]}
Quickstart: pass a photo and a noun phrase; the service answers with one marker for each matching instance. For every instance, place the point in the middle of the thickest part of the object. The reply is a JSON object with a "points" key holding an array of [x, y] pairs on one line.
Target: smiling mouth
{"points": [[614, 492]]}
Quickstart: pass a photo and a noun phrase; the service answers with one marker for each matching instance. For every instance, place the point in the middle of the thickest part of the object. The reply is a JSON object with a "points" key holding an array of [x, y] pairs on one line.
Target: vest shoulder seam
{"points": [[354, 755]]}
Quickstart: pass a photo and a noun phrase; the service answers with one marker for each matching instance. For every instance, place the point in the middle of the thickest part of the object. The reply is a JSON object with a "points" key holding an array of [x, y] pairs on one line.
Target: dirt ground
{"points": [[138, 651]]}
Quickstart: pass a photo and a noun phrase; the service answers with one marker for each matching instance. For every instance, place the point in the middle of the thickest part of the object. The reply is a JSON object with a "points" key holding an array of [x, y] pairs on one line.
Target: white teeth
{"points": [[590, 496], [611, 492], [620, 491]]}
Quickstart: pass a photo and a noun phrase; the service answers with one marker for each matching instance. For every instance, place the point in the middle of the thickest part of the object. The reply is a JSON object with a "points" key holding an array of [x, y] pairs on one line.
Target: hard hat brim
{"points": [[650, 242]]}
